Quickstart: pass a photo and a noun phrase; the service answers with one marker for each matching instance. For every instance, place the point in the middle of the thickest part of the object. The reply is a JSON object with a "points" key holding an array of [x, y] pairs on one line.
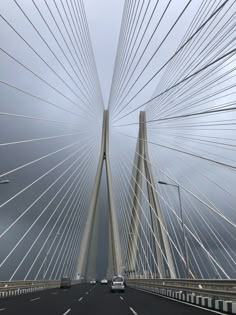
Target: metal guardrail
{"points": [[13, 288], [218, 289]]}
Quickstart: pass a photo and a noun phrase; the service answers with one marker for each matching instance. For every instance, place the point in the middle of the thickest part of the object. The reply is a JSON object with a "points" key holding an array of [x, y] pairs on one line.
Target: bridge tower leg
{"points": [[158, 225], [91, 218]]}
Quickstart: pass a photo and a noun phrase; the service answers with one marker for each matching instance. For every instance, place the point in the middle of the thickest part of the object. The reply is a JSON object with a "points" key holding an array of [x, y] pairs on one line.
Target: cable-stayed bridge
{"points": [[143, 186]]}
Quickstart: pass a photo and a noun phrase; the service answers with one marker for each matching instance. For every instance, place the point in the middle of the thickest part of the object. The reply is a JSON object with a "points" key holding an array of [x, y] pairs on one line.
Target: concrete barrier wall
{"points": [[228, 307]]}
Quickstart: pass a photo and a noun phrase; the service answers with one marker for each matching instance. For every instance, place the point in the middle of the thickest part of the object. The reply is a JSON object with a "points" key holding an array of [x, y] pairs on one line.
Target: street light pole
{"points": [[183, 228]]}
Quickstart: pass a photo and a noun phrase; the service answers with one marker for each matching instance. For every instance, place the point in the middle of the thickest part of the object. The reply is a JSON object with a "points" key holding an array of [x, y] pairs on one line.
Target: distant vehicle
{"points": [[118, 284], [104, 281], [65, 283], [93, 281]]}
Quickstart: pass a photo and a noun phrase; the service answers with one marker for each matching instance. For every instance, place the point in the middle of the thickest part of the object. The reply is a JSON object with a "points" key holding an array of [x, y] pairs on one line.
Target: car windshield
{"points": [[118, 279]]}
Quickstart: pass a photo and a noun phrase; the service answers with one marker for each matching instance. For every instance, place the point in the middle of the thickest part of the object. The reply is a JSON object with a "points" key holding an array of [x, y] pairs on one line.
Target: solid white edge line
{"points": [[133, 311], [67, 311], [38, 298], [189, 304], [81, 299]]}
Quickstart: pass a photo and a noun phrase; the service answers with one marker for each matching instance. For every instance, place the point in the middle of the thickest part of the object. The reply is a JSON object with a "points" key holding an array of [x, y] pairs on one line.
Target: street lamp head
{"points": [[4, 181], [162, 183]]}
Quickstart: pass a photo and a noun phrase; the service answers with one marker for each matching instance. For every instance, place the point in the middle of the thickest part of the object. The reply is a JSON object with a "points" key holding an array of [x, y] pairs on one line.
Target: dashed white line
{"points": [[121, 298], [86, 293], [68, 311], [54, 293], [2, 309], [32, 300], [81, 299], [133, 311]]}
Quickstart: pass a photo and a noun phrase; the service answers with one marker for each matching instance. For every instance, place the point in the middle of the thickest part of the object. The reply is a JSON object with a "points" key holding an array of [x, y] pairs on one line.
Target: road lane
{"points": [[96, 299]]}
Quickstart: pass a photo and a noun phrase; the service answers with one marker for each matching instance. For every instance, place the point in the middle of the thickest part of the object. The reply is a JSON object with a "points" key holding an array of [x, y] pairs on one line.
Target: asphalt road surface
{"points": [[95, 299]]}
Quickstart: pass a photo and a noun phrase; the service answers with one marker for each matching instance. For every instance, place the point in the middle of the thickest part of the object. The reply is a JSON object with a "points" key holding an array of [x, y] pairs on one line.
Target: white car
{"points": [[92, 281], [118, 284], [104, 281]]}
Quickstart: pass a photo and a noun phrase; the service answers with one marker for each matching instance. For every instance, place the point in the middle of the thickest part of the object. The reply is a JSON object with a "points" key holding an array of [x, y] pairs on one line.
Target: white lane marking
{"points": [[54, 293], [2, 309], [32, 300], [86, 293], [133, 311], [68, 311], [121, 298], [193, 305], [81, 299]]}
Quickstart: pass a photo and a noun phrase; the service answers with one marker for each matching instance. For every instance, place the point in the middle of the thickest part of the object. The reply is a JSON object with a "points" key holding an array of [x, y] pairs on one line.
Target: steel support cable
{"points": [[41, 158], [91, 50], [78, 47], [74, 183], [77, 21], [150, 59], [182, 56], [152, 232], [44, 81], [172, 57], [209, 201], [202, 246], [74, 217], [41, 99], [58, 44], [111, 102], [122, 45], [233, 167], [119, 175], [59, 30], [140, 58], [196, 103], [122, 193], [213, 231], [205, 76], [211, 111], [40, 139], [144, 233], [52, 214], [140, 42], [75, 227], [128, 66], [128, 51], [197, 18], [172, 242], [47, 45], [221, 145], [91, 71], [129, 25], [121, 35], [78, 44], [33, 224], [75, 50], [231, 52], [78, 194], [76, 222], [208, 206], [157, 242], [206, 51], [78, 201], [30, 185], [192, 86], [37, 118]]}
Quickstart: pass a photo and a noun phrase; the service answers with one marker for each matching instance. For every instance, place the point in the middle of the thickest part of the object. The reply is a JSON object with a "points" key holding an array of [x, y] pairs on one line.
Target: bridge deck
{"points": [[87, 299]]}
